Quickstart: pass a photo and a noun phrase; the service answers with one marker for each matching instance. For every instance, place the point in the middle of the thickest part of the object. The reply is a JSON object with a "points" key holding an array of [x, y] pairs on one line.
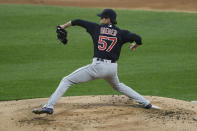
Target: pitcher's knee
{"points": [[121, 84], [117, 86], [66, 80], [120, 87]]}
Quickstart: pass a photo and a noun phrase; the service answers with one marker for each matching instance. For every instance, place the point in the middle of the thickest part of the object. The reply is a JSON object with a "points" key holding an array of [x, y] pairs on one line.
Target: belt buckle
{"points": [[105, 60], [108, 61], [99, 59]]}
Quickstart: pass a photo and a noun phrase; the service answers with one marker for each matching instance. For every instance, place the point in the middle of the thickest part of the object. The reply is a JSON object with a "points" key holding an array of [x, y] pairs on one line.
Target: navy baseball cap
{"points": [[109, 13]]}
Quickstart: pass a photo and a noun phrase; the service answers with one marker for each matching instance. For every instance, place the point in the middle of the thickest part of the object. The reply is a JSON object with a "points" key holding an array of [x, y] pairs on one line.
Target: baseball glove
{"points": [[62, 35]]}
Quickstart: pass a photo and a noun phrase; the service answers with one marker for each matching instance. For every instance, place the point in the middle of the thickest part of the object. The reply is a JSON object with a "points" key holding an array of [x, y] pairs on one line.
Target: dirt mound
{"points": [[91, 113], [110, 113], [177, 5]]}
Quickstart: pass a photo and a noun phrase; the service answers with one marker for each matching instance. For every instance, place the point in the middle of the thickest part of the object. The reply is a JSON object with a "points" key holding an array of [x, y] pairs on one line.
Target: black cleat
{"points": [[148, 106], [43, 110]]}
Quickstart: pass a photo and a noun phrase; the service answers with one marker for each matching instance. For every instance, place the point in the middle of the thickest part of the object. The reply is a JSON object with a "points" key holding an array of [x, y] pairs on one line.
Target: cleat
{"points": [[148, 106], [43, 110]]}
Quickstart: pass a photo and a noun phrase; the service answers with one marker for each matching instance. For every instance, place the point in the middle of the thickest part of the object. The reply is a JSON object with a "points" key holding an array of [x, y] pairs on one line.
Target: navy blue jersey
{"points": [[108, 39]]}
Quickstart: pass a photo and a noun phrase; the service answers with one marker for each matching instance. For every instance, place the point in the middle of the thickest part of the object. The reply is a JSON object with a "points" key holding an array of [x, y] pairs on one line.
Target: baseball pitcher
{"points": [[108, 40]]}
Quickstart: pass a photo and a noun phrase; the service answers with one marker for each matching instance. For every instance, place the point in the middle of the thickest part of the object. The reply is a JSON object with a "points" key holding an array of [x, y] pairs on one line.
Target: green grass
{"points": [[32, 61]]}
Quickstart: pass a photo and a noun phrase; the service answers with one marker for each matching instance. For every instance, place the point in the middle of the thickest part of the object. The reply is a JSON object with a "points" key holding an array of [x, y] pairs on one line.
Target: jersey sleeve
{"points": [[89, 26], [131, 37]]}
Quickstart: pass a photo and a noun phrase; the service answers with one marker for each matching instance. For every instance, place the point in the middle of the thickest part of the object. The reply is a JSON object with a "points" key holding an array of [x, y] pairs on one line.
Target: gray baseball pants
{"points": [[97, 69]]}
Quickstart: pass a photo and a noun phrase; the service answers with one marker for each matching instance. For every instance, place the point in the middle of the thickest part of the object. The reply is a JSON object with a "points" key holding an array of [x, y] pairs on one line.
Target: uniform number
{"points": [[103, 43]]}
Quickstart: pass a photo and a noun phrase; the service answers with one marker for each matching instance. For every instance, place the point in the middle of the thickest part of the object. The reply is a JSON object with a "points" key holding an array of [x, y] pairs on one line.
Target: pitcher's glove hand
{"points": [[62, 35]]}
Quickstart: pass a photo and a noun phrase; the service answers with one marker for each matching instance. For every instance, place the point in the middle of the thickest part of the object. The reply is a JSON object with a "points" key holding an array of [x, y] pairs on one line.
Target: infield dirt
{"points": [[92, 113], [107, 113]]}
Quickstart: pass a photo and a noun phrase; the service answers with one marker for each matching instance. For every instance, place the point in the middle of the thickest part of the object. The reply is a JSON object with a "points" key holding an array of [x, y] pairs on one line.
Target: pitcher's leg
{"points": [[121, 87], [78, 76], [59, 92]]}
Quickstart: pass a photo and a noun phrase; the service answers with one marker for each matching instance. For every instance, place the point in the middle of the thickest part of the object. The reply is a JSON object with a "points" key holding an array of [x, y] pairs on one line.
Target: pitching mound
{"points": [[89, 113]]}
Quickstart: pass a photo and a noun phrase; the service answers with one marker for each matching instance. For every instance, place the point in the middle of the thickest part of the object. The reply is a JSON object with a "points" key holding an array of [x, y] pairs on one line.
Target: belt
{"points": [[105, 60]]}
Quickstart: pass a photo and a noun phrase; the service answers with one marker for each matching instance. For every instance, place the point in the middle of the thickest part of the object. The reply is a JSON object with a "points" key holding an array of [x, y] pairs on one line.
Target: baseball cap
{"points": [[109, 13]]}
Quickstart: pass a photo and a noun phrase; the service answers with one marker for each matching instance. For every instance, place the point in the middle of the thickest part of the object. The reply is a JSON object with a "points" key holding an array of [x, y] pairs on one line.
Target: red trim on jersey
{"points": [[114, 40], [102, 41]]}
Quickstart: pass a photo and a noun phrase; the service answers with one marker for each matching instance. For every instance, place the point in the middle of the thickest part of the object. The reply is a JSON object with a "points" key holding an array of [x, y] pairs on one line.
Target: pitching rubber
{"points": [[156, 107], [195, 102]]}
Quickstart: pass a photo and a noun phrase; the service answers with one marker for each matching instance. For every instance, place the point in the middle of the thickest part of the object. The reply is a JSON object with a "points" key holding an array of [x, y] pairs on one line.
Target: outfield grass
{"points": [[32, 61]]}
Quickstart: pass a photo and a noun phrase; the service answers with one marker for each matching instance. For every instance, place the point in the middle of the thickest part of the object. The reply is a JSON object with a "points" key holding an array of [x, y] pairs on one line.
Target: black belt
{"points": [[100, 59]]}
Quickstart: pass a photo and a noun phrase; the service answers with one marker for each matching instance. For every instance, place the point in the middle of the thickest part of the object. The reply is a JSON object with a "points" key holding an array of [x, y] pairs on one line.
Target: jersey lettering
{"points": [[108, 31], [114, 40], [102, 41]]}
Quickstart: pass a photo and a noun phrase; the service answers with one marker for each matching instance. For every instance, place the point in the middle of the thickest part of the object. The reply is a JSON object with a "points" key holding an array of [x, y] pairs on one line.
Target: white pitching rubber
{"points": [[195, 102], [156, 107]]}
